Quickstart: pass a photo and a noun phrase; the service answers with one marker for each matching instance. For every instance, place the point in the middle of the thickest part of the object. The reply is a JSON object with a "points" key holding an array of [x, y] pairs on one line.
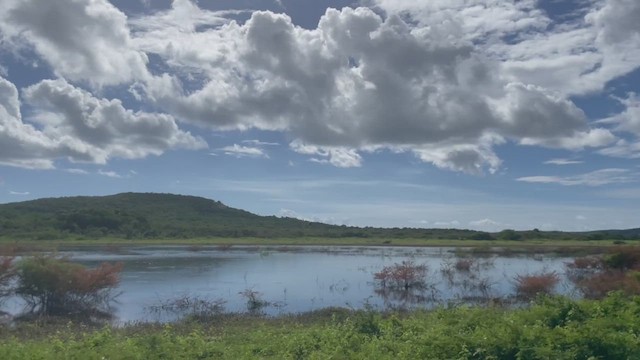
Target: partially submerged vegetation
{"points": [[51, 285], [605, 325]]}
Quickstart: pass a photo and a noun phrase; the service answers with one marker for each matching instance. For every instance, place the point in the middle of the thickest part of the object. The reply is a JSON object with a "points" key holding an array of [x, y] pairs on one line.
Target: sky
{"points": [[478, 114]]}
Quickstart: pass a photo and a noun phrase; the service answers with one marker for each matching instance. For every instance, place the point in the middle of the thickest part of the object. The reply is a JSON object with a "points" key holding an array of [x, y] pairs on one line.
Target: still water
{"points": [[297, 279]]}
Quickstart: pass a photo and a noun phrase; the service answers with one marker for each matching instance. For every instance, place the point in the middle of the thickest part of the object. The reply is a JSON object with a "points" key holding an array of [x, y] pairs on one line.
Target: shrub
{"points": [[464, 265], [584, 267], [530, 286], [255, 303], [56, 286], [402, 275], [623, 258], [601, 284], [595, 277]]}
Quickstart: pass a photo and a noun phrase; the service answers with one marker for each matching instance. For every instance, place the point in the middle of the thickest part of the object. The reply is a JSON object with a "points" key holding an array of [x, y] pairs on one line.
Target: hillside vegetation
{"points": [[148, 215]]}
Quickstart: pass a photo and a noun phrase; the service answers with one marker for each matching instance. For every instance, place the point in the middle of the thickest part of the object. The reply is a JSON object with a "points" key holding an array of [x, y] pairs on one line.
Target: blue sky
{"points": [[480, 114]]}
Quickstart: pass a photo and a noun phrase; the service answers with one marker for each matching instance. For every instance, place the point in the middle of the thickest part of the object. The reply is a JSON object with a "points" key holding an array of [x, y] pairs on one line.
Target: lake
{"points": [[301, 278]]}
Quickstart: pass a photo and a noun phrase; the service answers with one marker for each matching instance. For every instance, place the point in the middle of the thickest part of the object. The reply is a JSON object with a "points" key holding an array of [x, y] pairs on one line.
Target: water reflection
{"points": [[297, 279]]}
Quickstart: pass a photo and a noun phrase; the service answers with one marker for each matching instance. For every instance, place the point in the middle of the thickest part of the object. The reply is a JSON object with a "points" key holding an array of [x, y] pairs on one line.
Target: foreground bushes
{"points": [[552, 328]]}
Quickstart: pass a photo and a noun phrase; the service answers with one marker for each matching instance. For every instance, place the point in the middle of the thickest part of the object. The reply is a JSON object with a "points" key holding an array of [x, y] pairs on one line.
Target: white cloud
{"points": [[592, 138], [561, 161], [82, 40], [444, 80], [594, 178], [22, 144], [19, 193], [68, 122], [260, 143], [288, 213], [244, 151], [111, 174], [598, 43], [387, 84], [627, 121], [335, 155]]}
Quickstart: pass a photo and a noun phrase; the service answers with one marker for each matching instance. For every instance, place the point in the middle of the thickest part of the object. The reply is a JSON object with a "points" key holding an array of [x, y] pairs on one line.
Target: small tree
{"points": [[58, 286]]}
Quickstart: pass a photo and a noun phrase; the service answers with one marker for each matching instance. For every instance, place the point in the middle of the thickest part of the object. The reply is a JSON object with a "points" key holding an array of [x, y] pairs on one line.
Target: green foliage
{"points": [[482, 236], [167, 216], [509, 234], [552, 328], [57, 286], [136, 215]]}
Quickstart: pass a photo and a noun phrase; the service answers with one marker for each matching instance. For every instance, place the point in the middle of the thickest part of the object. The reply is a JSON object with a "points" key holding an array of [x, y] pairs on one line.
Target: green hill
{"points": [[148, 215]]}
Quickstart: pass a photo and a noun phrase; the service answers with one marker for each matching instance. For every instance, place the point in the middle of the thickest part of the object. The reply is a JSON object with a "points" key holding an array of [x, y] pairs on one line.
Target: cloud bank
{"points": [[433, 78]]}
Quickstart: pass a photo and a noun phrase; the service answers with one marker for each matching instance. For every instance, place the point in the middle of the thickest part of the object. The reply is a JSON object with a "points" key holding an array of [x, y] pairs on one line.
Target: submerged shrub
{"points": [[402, 275], [255, 303], [464, 265], [57, 286], [595, 277], [530, 286], [601, 284]]}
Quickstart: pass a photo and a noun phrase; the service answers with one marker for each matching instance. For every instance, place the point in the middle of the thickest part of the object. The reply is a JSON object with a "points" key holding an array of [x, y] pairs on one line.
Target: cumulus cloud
{"points": [[100, 128], [22, 144], [82, 40], [594, 178], [68, 122], [598, 42], [357, 81], [444, 80]]}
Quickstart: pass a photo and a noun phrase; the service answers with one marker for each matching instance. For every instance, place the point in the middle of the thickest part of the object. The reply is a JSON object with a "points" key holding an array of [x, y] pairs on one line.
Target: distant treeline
{"points": [[136, 215]]}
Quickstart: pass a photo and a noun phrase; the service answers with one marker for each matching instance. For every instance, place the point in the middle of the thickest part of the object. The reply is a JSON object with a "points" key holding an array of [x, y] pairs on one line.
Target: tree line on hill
{"points": [[136, 215]]}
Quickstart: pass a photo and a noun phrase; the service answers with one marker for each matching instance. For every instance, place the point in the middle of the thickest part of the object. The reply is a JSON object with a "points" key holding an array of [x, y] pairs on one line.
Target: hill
{"points": [[150, 215]]}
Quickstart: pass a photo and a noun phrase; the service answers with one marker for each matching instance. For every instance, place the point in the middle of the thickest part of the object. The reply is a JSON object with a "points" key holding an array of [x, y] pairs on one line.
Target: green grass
{"points": [[553, 328]]}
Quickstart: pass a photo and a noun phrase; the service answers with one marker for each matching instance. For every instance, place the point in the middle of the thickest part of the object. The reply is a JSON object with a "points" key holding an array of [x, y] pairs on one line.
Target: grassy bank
{"points": [[553, 328]]}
